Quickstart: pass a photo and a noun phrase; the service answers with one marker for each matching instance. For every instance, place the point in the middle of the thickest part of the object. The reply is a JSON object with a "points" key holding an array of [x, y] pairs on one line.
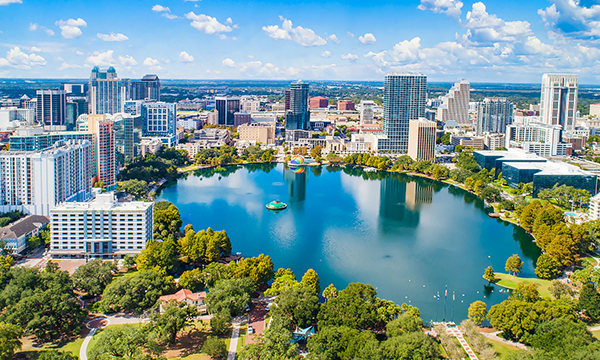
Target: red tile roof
{"points": [[184, 294]]}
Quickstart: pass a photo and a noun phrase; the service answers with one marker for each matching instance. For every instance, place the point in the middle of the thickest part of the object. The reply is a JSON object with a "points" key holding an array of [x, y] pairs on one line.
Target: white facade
{"points": [[37, 181], [250, 106], [366, 112], [494, 141], [12, 117], [103, 228], [160, 118], [594, 211], [558, 105], [455, 105], [541, 139]]}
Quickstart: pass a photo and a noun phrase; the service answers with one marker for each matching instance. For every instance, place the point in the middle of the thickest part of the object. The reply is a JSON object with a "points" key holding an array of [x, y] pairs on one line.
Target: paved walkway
{"points": [[494, 336], [93, 325], [235, 336], [458, 334]]}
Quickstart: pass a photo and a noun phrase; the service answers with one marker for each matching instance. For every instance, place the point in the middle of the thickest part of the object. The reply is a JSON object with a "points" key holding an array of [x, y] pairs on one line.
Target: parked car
{"points": [[250, 330]]}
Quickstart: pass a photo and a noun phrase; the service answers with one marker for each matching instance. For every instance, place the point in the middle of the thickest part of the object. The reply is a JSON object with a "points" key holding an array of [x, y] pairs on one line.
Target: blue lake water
{"points": [[409, 237]]}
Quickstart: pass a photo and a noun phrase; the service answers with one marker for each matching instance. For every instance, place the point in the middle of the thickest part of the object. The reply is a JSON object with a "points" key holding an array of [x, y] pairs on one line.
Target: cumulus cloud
{"points": [[101, 58], [185, 57], [368, 38], [127, 60], [8, 2], [334, 38], [488, 28], [350, 57], [228, 63], [34, 27], [153, 64], [71, 28], [160, 8], [18, 59], [169, 16], [303, 36], [573, 19], [451, 8], [112, 37], [66, 66], [207, 24], [326, 54], [349, 34]]}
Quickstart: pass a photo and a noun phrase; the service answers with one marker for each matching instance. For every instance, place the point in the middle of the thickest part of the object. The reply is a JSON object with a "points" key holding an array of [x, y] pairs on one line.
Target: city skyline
{"points": [[485, 41]]}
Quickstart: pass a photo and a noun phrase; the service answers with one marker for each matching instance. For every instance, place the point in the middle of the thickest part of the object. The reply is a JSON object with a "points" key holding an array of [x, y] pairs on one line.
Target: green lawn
{"points": [[511, 281], [502, 349], [596, 334], [30, 351]]}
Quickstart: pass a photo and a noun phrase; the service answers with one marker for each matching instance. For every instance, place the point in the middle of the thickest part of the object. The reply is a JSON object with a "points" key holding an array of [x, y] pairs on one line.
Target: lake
{"points": [[409, 237]]}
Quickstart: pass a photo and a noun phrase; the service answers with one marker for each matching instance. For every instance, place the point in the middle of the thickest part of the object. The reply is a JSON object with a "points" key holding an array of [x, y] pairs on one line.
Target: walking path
{"points": [[458, 334], [93, 325], [235, 335], [494, 336]]}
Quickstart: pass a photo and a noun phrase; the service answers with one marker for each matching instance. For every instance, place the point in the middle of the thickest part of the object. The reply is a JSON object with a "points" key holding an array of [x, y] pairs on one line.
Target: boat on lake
{"points": [[276, 205]]}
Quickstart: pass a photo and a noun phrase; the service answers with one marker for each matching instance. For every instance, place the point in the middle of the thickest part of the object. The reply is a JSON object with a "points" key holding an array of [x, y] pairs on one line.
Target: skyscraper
{"points": [[75, 107], [227, 107], [558, 103], [404, 99], [366, 112], [455, 104], [493, 115], [51, 107], [148, 88], [106, 92], [421, 140], [159, 118], [102, 127], [298, 115]]}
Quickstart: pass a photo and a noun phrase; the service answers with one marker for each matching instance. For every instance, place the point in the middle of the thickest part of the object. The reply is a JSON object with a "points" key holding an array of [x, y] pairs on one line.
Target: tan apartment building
{"points": [[421, 139], [263, 133]]}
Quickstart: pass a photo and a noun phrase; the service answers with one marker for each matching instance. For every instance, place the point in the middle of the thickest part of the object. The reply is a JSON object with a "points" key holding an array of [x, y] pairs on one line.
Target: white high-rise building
{"points": [[37, 181], [159, 118], [421, 139], [493, 115], [106, 92], [455, 105], [541, 139], [558, 104], [366, 112], [102, 228]]}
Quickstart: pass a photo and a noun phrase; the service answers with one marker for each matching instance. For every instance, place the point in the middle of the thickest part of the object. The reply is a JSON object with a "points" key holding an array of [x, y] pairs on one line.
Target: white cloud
{"points": [[185, 57], [451, 8], [79, 52], [207, 24], [350, 57], [65, 66], [368, 38], [349, 34], [573, 19], [169, 16], [8, 2], [303, 36], [112, 37], [127, 60], [101, 58], [71, 28], [334, 38], [228, 63], [160, 8], [326, 54], [153, 64], [20, 60], [34, 27], [485, 28], [35, 49]]}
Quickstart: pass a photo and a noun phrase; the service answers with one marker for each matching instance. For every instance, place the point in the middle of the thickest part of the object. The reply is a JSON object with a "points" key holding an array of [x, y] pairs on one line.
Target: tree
{"points": [[491, 194], [274, 345], [121, 342], [405, 323], [353, 307], [526, 292], [230, 294], [514, 264], [259, 268], [310, 280], [489, 275], [589, 301], [34, 241], [414, 345], [138, 188], [343, 342], [160, 256], [57, 355], [559, 289], [477, 312], [10, 342], [214, 272], [220, 323], [129, 262], [166, 219], [299, 305], [560, 339], [192, 280], [214, 347], [546, 267], [93, 277], [330, 292], [135, 293], [175, 317]]}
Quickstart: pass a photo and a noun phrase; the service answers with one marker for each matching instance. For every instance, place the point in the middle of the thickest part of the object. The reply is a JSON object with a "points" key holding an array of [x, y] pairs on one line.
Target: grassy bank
{"points": [[511, 281]]}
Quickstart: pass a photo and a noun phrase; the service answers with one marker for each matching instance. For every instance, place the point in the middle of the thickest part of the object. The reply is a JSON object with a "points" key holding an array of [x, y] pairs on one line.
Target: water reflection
{"points": [[296, 179]]}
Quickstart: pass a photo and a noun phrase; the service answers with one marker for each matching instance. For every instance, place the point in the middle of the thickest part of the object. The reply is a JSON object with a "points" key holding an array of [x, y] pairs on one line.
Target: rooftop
{"points": [[511, 153], [23, 226], [184, 294], [550, 168], [104, 201]]}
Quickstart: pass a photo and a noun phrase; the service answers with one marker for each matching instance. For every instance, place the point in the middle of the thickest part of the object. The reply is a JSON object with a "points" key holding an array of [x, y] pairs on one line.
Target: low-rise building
{"points": [[263, 133], [150, 146], [187, 297], [494, 141], [16, 234], [211, 138], [101, 228], [192, 148], [476, 142]]}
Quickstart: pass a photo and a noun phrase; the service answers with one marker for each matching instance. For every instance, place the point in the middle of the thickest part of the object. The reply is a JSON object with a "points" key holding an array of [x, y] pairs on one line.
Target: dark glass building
{"points": [[298, 115], [51, 107], [227, 107]]}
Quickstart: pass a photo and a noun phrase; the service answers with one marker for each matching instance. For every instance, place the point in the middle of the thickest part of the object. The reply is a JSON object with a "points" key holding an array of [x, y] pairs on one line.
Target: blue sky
{"points": [[493, 41]]}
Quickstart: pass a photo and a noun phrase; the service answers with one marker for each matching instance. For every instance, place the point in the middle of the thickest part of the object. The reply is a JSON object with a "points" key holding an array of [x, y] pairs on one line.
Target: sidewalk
{"points": [[494, 336], [235, 336]]}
